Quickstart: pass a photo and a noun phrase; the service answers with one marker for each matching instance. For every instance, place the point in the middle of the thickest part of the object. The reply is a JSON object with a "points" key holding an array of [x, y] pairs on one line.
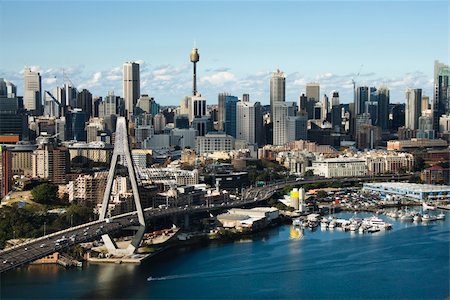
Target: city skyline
{"points": [[331, 52]]}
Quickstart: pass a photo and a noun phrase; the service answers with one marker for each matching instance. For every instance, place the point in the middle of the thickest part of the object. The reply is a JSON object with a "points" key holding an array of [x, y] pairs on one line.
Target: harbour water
{"points": [[409, 262]]}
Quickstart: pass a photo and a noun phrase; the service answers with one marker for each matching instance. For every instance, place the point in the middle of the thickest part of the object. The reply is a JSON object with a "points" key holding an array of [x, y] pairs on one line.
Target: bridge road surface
{"points": [[40, 247]]}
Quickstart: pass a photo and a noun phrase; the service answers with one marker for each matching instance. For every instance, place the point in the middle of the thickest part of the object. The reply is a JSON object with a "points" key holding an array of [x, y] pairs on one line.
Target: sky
{"points": [[241, 43]]}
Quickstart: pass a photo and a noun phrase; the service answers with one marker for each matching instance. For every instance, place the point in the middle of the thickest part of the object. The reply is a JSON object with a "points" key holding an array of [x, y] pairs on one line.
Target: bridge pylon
{"points": [[122, 150]]}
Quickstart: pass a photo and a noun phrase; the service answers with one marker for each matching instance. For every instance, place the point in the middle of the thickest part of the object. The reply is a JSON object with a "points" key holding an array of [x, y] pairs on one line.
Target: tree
{"points": [[321, 194], [46, 193], [309, 173]]}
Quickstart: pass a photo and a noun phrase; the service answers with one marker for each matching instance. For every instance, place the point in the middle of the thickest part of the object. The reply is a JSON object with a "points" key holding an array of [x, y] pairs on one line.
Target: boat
{"points": [[353, 226], [440, 216], [417, 218], [377, 223], [373, 229], [297, 222], [406, 217], [324, 223], [332, 224], [426, 206]]}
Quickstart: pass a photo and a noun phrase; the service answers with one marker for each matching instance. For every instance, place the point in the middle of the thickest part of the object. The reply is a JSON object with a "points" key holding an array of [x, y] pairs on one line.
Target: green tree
{"points": [[309, 173], [46, 193]]}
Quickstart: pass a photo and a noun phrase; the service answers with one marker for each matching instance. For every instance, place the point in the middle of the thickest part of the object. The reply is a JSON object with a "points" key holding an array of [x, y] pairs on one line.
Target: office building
{"points": [[249, 122], [32, 92], [131, 87], [313, 91], [336, 112], [297, 127], [52, 107], [221, 111], [84, 102], [281, 111], [413, 108], [213, 142], [196, 107], [383, 108], [76, 125], [441, 103], [5, 172], [203, 125], [277, 89], [230, 115], [425, 103], [12, 119]]}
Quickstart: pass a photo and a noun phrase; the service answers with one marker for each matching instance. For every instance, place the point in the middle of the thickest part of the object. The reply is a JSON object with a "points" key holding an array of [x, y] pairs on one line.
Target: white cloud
{"points": [[219, 78]]}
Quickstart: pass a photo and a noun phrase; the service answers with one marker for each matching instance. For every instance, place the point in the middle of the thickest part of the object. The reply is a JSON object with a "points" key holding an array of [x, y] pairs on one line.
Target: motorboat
{"points": [[427, 206], [297, 222], [440, 216], [407, 217], [417, 218]]}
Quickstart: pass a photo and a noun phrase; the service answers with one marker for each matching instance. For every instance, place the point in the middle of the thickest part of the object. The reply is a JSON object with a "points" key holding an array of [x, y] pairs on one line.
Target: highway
{"points": [[59, 241]]}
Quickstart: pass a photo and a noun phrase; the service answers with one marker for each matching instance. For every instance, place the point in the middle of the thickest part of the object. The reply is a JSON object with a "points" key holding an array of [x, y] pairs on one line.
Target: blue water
{"points": [[409, 262]]}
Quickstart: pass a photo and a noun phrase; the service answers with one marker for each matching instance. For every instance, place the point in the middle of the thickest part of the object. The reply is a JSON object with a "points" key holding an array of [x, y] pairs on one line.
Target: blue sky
{"points": [[240, 44]]}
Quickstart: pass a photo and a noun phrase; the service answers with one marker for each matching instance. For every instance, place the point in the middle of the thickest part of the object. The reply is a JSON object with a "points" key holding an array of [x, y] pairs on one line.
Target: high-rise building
{"points": [[131, 87], [12, 118], [52, 107], [336, 112], [5, 171], [383, 108], [84, 102], [413, 108], [32, 91], [441, 103], [109, 106], [76, 125], [281, 112], [7, 89], [245, 98], [297, 127], [249, 122], [302, 103], [277, 89], [221, 111], [425, 103], [313, 91], [230, 114], [325, 107], [196, 106]]}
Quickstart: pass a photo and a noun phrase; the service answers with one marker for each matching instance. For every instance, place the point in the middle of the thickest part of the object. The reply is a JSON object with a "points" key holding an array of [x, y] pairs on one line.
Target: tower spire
{"points": [[195, 57]]}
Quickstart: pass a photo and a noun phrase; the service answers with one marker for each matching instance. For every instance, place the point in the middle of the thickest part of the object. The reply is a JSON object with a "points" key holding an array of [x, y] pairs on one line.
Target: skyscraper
{"points": [[131, 87], [249, 122], [441, 103], [281, 112], [84, 102], [277, 89], [383, 108], [313, 91], [194, 57], [32, 91], [230, 115], [413, 108], [336, 112], [221, 111]]}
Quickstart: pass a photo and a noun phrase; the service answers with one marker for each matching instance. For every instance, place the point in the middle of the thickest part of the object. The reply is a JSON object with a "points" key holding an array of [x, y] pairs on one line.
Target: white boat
{"points": [[406, 217], [425, 218], [324, 223], [427, 206], [417, 218], [440, 216], [296, 222], [353, 226], [377, 223], [332, 224]]}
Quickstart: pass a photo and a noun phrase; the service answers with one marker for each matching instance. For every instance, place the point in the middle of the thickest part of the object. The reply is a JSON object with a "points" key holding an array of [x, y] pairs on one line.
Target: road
{"points": [[59, 241]]}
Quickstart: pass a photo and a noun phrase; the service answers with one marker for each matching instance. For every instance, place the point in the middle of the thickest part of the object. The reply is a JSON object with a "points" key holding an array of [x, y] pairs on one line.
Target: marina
{"points": [[303, 263]]}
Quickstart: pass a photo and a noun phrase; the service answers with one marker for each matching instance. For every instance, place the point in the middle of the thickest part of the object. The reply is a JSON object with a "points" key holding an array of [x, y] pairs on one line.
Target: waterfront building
{"points": [[413, 108], [435, 175], [414, 191], [131, 87], [277, 90], [213, 142], [339, 167], [32, 92], [170, 175], [388, 162]]}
